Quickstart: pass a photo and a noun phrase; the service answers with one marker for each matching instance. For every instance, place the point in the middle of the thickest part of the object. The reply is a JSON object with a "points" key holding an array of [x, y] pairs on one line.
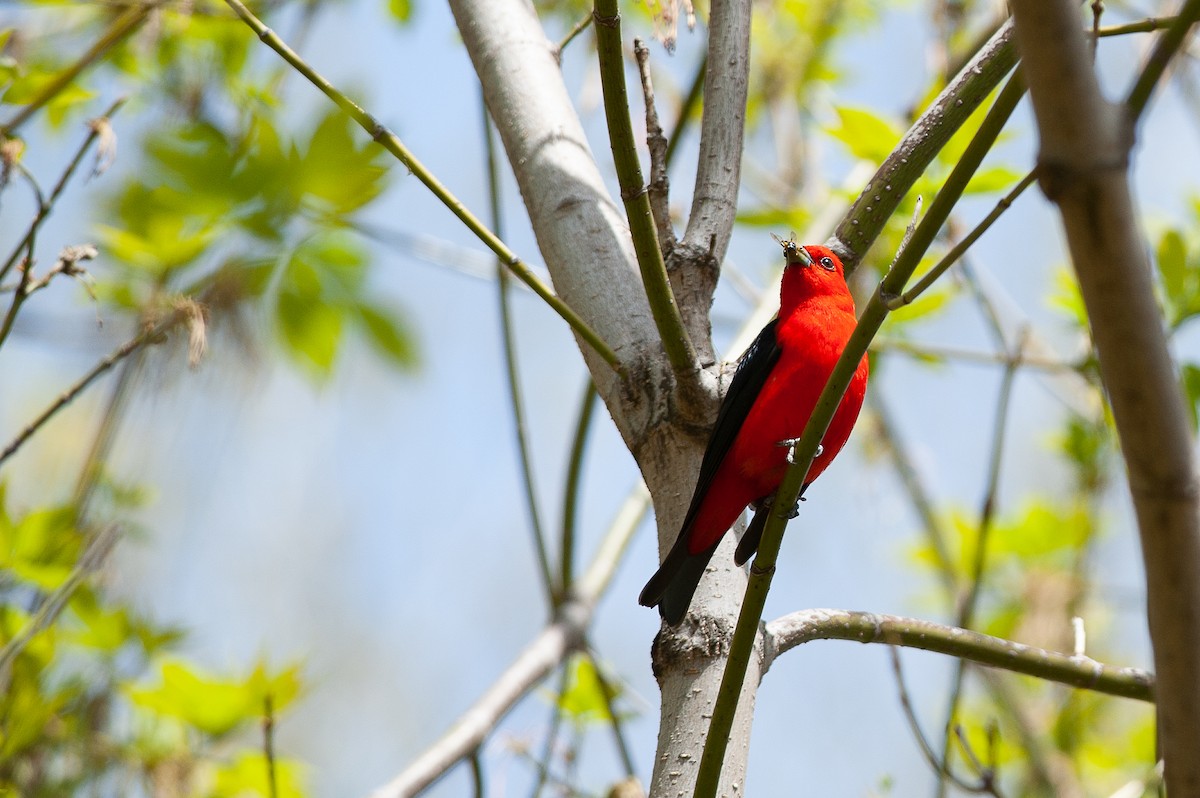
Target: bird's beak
{"points": [[796, 254]]}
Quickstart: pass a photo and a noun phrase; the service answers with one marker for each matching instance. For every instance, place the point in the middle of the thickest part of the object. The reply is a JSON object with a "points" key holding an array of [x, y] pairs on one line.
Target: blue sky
{"points": [[376, 529]]}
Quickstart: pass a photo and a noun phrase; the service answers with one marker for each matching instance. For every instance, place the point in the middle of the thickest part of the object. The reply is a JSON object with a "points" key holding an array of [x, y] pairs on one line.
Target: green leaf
{"points": [[1067, 299], [1171, 259], [387, 333], [97, 626], [866, 135], [247, 775], [927, 304], [1190, 377], [341, 170], [212, 705], [583, 699], [401, 10], [311, 330], [993, 179], [42, 547]]}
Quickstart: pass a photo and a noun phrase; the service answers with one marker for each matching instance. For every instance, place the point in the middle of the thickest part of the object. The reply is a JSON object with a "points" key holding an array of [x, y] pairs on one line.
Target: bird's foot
{"points": [[790, 443]]}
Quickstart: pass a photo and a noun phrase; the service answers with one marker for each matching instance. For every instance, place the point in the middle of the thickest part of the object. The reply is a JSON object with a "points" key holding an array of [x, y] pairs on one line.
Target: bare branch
{"points": [[797, 628], [565, 634]]}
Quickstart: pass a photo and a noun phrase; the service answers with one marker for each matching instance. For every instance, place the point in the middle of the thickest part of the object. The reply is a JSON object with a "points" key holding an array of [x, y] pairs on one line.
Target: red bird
{"points": [[769, 401]]}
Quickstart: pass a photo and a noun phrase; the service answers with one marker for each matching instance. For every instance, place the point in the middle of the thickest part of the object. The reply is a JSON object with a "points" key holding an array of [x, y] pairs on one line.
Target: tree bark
{"points": [[586, 244], [1083, 166]]}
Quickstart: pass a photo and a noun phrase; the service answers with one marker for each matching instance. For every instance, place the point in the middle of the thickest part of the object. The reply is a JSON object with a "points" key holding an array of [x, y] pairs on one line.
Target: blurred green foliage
{"points": [[250, 211]]}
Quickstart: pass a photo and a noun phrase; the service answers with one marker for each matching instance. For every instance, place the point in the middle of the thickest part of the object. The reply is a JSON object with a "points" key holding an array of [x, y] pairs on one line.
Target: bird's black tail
{"points": [[674, 583]]}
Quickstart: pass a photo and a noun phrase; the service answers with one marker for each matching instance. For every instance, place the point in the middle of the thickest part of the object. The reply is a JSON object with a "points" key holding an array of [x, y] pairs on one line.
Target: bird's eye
{"points": [[827, 263]]}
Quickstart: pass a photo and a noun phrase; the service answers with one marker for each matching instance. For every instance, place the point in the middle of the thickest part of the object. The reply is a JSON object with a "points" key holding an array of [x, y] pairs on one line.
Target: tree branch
{"points": [[391, 142], [1082, 166], [797, 628], [566, 633], [923, 141], [694, 263], [804, 451]]}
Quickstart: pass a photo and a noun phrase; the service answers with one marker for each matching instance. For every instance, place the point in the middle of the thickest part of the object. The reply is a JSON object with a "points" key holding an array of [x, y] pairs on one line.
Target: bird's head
{"points": [[811, 271]]}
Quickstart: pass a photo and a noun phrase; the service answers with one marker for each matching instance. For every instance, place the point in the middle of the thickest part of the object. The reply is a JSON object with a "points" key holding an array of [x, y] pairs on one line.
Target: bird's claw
{"points": [[790, 443]]}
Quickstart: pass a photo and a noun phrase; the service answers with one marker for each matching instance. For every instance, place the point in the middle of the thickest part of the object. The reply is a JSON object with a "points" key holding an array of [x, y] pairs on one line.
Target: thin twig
{"points": [[512, 371], [391, 142], [923, 350], [564, 635], [1164, 49], [268, 730], [53, 605], [120, 27], [477, 782], [656, 142], [578, 28], [959, 249], [571, 489], [941, 767], [97, 129], [556, 716], [987, 513], [614, 719], [986, 773], [150, 335]]}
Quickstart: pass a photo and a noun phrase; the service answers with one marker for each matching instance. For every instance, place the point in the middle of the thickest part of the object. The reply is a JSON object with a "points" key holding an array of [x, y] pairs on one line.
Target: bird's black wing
{"points": [[754, 366], [672, 586]]}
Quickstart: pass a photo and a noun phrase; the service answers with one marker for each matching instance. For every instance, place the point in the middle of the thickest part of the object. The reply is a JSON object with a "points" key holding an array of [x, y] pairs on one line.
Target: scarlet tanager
{"points": [[769, 401]]}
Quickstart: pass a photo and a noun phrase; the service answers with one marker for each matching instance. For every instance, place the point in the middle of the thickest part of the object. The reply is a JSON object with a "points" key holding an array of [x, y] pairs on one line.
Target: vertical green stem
{"points": [[553, 594], [803, 452], [675, 340], [571, 492]]}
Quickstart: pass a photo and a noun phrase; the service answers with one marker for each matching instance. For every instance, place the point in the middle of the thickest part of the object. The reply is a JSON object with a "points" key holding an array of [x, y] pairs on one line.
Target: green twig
{"points": [[928, 135], [121, 27], [1164, 49], [1083, 672], [675, 341], [577, 29], [556, 716], [960, 249], [1148, 25], [268, 730], [513, 374], [609, 694], [477, 782], [571, 491], [763, 568], [390, 142]]}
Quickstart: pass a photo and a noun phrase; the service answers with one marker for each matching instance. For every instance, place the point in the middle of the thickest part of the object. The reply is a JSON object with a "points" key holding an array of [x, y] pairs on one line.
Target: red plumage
{"points": [[769, 400]]}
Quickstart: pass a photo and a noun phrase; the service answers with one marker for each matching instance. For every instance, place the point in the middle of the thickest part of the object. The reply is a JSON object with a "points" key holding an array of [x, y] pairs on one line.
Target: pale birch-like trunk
{"points": [[586, 244]]}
